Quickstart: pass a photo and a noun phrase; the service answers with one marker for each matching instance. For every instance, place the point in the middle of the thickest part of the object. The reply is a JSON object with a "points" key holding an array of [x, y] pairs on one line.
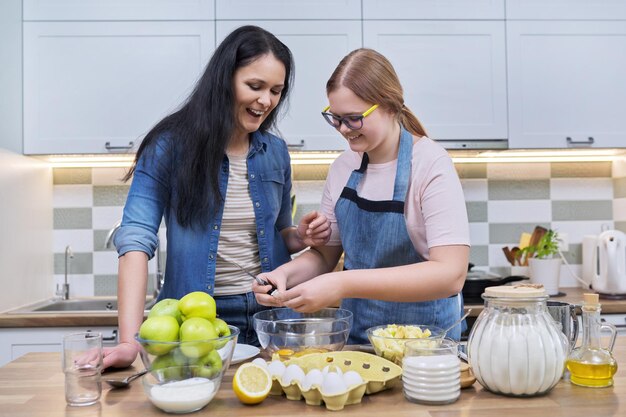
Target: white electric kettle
{"points": [[609, 263]]}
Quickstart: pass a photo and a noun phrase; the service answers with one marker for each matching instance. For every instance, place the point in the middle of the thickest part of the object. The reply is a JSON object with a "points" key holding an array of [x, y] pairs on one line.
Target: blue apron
{"points": [[374, 235]]}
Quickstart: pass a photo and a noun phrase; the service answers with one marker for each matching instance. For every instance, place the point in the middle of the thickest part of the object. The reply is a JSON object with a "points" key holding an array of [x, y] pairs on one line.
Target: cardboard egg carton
{"points": [[377, 373]]}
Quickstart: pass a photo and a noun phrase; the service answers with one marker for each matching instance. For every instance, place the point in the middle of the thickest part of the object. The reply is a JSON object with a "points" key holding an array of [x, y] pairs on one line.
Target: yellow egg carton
{"points": [[377, 373]]}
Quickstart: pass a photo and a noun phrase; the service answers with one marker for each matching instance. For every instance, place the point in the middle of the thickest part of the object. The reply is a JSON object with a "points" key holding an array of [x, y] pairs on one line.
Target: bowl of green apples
{"points": [[184, 346]]}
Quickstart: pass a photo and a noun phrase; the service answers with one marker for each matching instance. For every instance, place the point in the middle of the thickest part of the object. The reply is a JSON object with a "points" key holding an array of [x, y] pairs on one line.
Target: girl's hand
{"points": [[276, 277], [314, 229], [120, 356], [310, 296]]}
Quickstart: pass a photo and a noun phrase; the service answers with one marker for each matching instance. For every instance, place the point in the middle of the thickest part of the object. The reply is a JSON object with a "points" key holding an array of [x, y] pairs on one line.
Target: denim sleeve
{"points": [[146, 201], [284, 216]]}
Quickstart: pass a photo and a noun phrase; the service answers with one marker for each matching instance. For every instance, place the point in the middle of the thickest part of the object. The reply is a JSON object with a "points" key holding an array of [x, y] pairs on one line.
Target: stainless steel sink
{"points": [[91, 305]]}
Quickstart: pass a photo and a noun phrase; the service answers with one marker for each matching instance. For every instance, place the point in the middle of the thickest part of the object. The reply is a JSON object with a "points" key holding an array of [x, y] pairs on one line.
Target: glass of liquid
{"points": [[82, 366]]}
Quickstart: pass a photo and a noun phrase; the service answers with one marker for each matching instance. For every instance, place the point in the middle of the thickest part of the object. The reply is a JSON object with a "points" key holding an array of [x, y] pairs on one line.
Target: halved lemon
{"points": [[251, 383]]}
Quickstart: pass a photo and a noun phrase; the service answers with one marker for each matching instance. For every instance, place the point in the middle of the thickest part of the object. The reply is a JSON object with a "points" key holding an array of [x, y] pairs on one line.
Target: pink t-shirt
{"points": [[434, 207]]}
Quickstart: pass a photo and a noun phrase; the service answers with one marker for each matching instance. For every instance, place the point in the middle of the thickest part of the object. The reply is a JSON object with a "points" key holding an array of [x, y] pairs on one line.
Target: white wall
{"points": [[26, 262], [11, 75]]}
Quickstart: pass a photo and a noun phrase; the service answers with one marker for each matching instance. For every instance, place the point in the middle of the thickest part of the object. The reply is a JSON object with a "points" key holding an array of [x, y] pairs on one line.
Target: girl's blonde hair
{"points": [[371, 77]]}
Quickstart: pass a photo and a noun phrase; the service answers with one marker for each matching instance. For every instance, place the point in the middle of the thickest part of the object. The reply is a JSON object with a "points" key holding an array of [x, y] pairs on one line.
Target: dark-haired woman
{"points": [[222, 183], [396, 209]]}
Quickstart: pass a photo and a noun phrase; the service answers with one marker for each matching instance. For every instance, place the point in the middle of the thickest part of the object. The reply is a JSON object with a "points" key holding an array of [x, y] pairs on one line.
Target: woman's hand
{"points": [[276, 277], [314, 229], [120, 356], [310, 296]]}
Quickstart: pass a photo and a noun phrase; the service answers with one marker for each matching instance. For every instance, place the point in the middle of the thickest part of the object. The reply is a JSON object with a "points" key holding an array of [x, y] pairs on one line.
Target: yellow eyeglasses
{"points": [[353, 122]]}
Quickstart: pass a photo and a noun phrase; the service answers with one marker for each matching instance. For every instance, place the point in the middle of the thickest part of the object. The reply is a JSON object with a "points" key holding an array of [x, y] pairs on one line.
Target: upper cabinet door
{"points": [[453, 74], [566, 84], [95, 87], [287, 9], [433, 9], [51, 10], [317, 48], [566, 9]]}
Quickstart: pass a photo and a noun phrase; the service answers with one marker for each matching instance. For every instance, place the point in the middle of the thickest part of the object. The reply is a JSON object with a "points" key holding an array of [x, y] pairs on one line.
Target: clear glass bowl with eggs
{"points": [[185, 376], [288, 333]]}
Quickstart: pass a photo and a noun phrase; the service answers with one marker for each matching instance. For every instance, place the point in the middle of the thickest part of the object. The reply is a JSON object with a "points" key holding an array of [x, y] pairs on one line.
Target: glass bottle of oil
{"points": [[591, 365]]}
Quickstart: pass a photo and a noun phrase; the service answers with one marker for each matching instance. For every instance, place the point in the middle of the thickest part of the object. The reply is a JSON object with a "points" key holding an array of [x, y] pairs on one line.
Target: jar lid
{"points": [[516, 291]]}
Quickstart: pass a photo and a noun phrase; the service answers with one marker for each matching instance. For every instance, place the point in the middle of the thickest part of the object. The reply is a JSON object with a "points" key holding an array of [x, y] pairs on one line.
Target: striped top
{"points": [[238, 239]]}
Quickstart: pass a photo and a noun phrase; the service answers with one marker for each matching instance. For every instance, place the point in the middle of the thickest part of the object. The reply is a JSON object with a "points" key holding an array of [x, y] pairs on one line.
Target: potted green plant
{"points": [[544, 262]]}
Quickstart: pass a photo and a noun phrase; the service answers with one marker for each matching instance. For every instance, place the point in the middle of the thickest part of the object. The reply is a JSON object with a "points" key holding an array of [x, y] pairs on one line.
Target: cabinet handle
{"points": [[112, 338], [296, 145], [580, 143], [128, 147]]}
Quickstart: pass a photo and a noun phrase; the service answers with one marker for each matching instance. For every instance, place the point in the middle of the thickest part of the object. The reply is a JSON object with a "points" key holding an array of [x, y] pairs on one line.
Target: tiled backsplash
{"points": [[503, 200]]}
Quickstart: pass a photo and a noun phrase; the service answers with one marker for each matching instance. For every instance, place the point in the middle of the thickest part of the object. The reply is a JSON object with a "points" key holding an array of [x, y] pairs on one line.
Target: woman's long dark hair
{"points": [[202, 127]]}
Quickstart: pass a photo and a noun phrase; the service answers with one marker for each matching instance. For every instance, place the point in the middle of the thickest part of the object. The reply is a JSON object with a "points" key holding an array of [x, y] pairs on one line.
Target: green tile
{"points": [[621, 226], [81, 263], [574, 255], [99, 236], [302, 209], [476, 211], [72, 218], [507, 233], [581, 169], [471, 170], [479, 255], [71, 176], [110, 195], [619, 187], [518, 190], [582, 210]]}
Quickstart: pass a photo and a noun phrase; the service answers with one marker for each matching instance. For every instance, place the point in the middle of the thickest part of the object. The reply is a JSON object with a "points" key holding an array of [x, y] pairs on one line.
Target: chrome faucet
{"points": [[65, 290], [158, 284]]}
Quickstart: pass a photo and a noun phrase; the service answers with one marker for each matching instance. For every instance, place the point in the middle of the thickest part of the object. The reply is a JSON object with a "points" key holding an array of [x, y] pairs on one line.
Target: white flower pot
{"points": [[546, 272]]}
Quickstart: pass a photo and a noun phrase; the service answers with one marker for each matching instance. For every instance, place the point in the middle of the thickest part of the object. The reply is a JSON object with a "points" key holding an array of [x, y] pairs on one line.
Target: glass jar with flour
{"points": [[515, 347]]}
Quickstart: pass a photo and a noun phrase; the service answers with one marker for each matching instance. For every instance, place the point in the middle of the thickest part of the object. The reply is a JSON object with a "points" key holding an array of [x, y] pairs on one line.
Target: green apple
{"points": [[166, 307], [197, 304], [160, 329], [194, 333], [170, 365], [222, 330], [209, 365]]}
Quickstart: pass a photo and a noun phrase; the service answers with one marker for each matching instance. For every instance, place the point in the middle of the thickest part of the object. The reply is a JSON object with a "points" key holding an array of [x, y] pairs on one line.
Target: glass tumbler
{"points": [[431, 371], [82, 366]]}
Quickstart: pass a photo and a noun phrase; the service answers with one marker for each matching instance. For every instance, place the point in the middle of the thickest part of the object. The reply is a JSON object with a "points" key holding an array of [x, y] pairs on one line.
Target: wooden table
{"points": [[32, 386]]}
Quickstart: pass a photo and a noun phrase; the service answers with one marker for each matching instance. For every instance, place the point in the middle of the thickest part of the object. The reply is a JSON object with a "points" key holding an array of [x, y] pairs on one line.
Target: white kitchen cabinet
{"points": [[15, 342], [317, 48], [566, 84], [287, 9], [566, 9], [69, 10], [433, 9], [97, 87], [453, 74]]}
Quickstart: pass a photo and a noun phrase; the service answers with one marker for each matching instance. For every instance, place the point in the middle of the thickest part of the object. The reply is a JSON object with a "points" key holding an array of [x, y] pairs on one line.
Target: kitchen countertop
{"points": [[33, 386], [109, 318]]}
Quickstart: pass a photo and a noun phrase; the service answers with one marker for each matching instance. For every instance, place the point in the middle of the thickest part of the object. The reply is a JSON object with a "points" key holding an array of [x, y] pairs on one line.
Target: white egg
{"points": [[332, 368], [293, 373], [261, 362], [313, 378], [333, 384], [352, 378], [276, 368]]}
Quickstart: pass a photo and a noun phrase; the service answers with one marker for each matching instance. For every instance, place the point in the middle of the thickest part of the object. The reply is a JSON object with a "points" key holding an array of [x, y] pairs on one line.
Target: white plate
{"points": [[243, 352]]}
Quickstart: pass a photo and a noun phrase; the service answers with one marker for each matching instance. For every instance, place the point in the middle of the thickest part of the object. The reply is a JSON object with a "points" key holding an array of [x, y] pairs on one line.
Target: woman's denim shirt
{"points": [[191, 252]]}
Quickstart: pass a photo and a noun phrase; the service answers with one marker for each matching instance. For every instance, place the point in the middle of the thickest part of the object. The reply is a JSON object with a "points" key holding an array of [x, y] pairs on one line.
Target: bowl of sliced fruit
{"points": [[388, 340]]}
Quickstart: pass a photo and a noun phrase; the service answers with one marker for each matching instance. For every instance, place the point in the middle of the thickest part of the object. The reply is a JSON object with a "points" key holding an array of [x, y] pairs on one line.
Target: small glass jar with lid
{"points": [[515, 347]]}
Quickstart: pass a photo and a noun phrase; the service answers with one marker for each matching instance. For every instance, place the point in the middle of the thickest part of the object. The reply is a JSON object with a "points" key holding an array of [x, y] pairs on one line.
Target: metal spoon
{"points": [[456, 323], [124, 383]]}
